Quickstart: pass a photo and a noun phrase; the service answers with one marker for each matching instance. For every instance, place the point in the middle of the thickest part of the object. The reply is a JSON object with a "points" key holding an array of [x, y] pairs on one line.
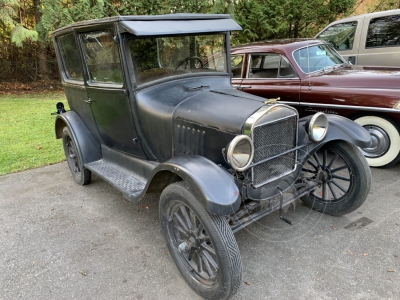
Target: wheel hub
{"points": [[324, 175], [193, 242], [380, 142]]}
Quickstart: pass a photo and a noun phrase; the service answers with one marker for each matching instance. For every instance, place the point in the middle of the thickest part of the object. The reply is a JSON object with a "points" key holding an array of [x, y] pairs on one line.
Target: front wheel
{"points": [[385, 134], [202, 245], [343, 175]]}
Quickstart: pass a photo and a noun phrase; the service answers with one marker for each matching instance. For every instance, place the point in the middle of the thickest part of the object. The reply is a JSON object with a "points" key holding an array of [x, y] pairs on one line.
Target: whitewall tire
{"points": [[385, 134]]}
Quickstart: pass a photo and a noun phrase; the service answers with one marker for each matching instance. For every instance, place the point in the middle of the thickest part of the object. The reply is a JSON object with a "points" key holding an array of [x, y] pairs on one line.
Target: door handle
{"points": [[88, 101], [241, 87]]}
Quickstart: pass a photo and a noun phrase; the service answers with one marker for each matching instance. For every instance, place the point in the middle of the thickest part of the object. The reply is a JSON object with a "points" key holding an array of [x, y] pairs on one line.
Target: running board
{"points": [[130, 186]]}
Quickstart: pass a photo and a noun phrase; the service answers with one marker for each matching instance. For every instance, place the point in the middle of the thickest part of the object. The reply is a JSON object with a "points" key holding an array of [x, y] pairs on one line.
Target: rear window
{"points": [[70, 57], [383, 32]]}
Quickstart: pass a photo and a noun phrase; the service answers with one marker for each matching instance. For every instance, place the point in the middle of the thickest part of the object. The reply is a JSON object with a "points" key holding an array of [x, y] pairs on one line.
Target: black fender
{"points": [[340, 128], [89, 148], [211, 184]]}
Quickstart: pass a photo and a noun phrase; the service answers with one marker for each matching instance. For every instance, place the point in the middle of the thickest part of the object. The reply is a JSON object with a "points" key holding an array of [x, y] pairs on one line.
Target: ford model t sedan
{"points": [[312, 77], [152, 109]]}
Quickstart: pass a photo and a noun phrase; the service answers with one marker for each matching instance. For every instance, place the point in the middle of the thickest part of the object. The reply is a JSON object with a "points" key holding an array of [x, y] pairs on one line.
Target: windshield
{"points": [[157, 58], [316, 58]]}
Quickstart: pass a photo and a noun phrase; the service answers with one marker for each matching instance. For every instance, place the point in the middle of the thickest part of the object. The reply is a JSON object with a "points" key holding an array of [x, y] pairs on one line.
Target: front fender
{"points": [[340, 128], [88, 147], [212, 185]]}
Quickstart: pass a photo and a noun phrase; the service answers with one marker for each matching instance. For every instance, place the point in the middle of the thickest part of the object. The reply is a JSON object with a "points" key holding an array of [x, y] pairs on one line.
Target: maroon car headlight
{"points": [[318, 127], [240, 152]]}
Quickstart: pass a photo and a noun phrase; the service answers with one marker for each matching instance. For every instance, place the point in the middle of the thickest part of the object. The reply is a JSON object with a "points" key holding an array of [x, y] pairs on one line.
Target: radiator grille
{"points": [[272, 139]]}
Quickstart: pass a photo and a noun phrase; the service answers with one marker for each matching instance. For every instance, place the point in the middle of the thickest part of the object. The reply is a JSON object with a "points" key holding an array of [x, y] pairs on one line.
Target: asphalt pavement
{"points": [[59, 240]]}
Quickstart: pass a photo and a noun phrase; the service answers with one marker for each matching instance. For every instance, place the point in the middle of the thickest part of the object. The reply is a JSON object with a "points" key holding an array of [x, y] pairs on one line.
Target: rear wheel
{"points": [[344, 177], [385, 134], [81, 175], [202, 245]]}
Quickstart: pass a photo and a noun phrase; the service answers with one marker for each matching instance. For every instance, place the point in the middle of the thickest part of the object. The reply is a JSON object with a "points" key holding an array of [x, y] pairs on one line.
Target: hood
{"points": [[360, 77], [223, 109]]}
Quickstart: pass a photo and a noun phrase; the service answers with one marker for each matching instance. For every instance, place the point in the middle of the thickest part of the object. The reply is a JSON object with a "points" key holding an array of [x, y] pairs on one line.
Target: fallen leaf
{"points": [[248, 283], [39, 147]]}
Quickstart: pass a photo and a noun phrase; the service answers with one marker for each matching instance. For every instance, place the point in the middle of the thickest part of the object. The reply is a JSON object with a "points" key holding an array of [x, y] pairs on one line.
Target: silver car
{"points": [[370, 39]]}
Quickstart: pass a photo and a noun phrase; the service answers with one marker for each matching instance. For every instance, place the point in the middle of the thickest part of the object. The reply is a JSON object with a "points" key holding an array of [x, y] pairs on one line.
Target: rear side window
{"points": [[383, 32], [269, 65], [102, 57], [71, 60], [341, 36]]}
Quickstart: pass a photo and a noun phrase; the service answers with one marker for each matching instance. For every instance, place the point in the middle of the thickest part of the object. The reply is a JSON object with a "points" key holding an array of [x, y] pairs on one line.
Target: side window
{"points": [[285, 69], [341, 36], [383, 32], [102, 57], [70, 57], [264, 66], [237, 65]]}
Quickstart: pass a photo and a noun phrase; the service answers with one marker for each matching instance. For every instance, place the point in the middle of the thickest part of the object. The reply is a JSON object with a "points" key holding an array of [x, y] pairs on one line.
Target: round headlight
{"points": [[318, 127], [240, 152]]}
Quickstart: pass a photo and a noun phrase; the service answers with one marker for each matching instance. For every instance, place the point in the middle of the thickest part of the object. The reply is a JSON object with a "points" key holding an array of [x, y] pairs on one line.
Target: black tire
{"points": [[206, 254], [344, 176], [80, 174]]}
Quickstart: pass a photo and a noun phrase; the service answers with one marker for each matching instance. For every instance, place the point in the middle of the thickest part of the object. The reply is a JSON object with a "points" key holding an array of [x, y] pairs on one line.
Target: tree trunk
{"points": [[42, 51]]}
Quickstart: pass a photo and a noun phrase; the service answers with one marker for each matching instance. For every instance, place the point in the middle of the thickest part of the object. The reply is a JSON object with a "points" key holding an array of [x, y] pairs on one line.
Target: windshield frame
{"points": [[134, 75], [331, 48]]}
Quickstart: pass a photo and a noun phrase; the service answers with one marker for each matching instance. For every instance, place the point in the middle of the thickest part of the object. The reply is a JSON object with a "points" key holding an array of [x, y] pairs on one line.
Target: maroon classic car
{"points": [[311, 76]]}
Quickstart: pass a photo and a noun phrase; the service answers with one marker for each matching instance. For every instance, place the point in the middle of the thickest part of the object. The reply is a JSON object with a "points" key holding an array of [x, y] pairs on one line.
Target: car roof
{"points": [[180, 23], [281, 45], [374, 14]]}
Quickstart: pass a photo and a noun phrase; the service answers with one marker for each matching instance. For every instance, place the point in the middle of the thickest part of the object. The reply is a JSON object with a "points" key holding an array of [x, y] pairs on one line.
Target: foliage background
{"points": [[27, 55]]}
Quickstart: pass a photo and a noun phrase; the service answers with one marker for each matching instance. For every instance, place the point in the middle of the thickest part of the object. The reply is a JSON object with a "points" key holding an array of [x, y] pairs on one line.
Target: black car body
{"points": [[153, 110]]}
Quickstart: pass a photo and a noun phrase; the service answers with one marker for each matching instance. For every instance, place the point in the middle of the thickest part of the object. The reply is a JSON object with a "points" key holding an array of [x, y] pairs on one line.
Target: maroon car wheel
{"points": [[385, 134]]}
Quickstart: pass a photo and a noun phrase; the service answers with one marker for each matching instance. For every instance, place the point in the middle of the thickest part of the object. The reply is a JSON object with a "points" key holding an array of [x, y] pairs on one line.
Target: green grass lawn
{"points": [[27, 138]]}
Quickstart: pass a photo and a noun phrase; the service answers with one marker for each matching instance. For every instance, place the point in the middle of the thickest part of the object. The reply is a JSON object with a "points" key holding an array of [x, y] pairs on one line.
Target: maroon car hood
{"points": [[359, 77]]}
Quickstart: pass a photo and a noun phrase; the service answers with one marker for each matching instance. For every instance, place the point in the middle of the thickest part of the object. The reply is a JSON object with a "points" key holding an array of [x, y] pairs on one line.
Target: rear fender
{"points": [[88, 147]]}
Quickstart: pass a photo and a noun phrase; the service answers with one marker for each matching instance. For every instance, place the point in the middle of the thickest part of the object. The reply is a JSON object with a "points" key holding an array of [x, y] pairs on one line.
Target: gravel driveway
{"points": [[59, 240]]}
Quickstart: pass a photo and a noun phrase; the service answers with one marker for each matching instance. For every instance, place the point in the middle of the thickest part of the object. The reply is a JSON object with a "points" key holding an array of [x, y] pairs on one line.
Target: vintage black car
{"points": [[152, 110]]}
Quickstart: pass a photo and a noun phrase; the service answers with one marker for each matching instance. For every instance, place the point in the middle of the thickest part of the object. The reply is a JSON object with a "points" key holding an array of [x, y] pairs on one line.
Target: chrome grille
{"points": [[270, 140]]}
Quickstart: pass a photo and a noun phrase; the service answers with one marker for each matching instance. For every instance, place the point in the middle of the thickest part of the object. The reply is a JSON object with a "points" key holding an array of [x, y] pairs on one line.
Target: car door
{"points": [[380, 41], [270, 75], [107, 94], [345, 37]]}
